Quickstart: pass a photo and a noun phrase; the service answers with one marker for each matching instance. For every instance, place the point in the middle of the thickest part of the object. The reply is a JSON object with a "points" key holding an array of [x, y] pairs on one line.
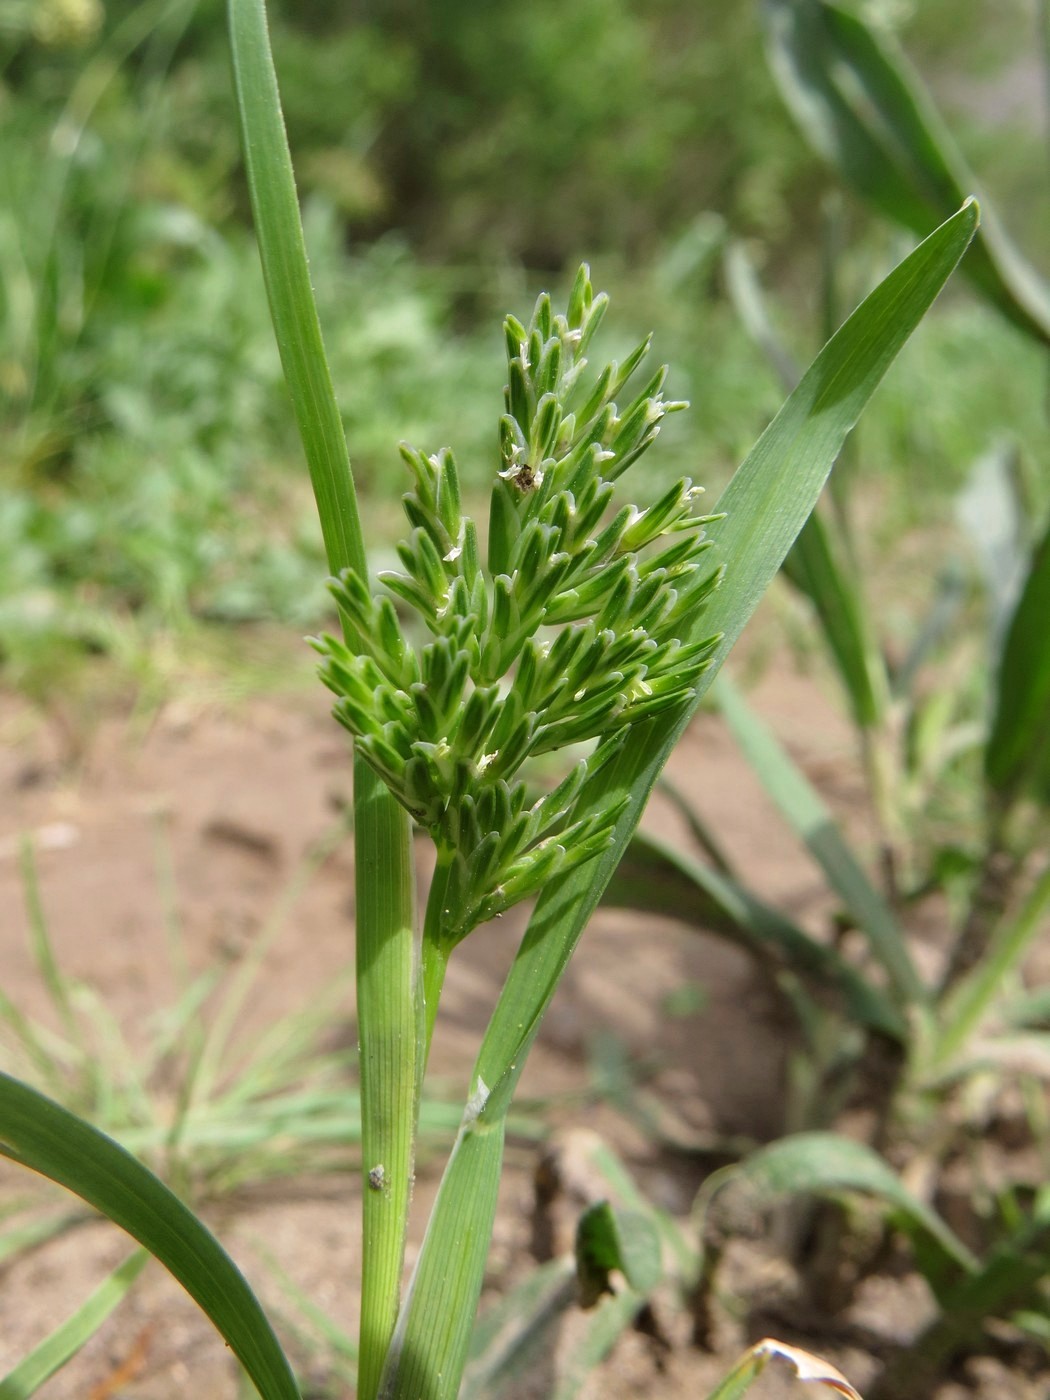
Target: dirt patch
{"points": [[180, 842]]}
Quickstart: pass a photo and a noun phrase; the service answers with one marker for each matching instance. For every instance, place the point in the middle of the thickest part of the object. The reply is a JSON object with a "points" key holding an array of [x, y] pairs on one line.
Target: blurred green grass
{"points": [[150, 485]]}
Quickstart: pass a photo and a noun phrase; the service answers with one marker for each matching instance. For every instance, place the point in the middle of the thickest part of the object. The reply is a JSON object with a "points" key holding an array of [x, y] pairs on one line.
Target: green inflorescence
{"points": [[569, 635]]}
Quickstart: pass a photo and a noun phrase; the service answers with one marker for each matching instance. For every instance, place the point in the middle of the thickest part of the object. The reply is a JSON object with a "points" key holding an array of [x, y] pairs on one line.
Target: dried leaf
{"points": [[807, 1366]]}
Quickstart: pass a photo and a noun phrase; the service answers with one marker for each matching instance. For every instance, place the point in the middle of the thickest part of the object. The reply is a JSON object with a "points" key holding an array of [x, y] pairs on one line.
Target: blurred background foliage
{"points": [[451, 157]]}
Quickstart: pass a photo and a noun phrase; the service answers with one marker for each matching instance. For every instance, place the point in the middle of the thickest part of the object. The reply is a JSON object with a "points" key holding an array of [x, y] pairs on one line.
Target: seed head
{"points": [[568, 633]]}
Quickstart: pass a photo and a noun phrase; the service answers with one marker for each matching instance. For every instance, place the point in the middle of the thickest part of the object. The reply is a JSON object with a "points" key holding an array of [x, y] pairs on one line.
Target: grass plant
{"points": [[956, 780], [877, 1032], [577, 622]]}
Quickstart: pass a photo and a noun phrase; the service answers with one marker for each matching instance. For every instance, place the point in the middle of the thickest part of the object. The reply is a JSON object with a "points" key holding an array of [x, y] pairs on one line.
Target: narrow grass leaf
{"points": [[766, 504], [973, 998], [114, 1074], [803, 809], [282, 249], [815, 569], [388, 1006], [21, 1238], [741, 1378], [41, 1135], [43, 952], [1012, 1276], [38, 1047], [67, 1339], [656, 878], [341, 1342], [775, 489], [1027, 1010], [869, 116], [510, 1336], [1017, 756], [827, 1163], [1021, 1055], [432, 1338], [813, 565], [749, 303]]}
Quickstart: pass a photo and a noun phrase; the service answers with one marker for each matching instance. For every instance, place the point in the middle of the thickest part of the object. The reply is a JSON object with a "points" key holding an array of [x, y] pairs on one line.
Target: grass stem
{"points": [[388, 1024], [391, 1059]]}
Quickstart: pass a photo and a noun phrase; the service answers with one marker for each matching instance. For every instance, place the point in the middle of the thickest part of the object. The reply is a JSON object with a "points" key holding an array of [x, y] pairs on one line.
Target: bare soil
{"points": [[233, 796]]}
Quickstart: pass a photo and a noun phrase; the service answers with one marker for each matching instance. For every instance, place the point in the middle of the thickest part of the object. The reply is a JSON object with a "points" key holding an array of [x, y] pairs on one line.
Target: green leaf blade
{"points": [[612, 1237], [815, 570], [806, 813], [767, 503], [41, 1135], [863, 110], [656, 878], [67, 1339], [388, 1005], [1018, 751], [741, 1378], [287, 276], [431, 1343], [824, 1163]]}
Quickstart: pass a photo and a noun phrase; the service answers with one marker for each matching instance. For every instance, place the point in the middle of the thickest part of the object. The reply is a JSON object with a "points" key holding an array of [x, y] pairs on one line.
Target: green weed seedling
{"points": [[575, 619]]}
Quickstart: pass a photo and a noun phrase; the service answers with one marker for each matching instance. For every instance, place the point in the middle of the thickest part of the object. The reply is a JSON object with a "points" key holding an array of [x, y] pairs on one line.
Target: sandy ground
{"points": [[201, 819]]}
